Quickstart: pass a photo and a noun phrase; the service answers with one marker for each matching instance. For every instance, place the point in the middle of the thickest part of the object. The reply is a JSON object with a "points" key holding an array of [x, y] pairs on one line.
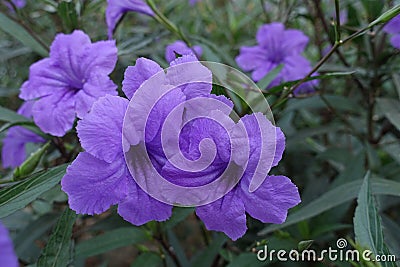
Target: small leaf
{"points": [[110, 240], [303, 245], [17, 31], [266, 81], [367, 222], [7, 115], [58, 251], [21, 194], [391, 109]]}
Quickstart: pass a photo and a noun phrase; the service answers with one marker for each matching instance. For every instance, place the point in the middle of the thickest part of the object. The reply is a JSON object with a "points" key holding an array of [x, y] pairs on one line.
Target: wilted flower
{"points": [[393, 28], [100, 176], [7, 255], [277, 46], [14, 144], [180, 48], [67, 83]]}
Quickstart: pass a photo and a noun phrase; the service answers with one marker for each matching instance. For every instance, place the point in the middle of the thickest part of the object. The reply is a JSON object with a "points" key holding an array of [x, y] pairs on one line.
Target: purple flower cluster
{"points": [[7, 255], [100, 177], [277, 45], [393, 28], [66, 84], [14, 144]]}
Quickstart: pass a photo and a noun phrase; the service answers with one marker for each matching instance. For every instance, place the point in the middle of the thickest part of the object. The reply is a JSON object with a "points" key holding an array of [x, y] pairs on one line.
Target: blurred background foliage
{"points": [[348, 127]]}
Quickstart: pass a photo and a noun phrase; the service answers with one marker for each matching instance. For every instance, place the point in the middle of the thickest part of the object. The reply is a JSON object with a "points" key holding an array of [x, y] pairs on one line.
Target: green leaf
{"points": [[21, 194], [385, 17], [330, 199], [367, 222], [59, 248], [20, 33], [24, 242], [7, 115], [149, 259], [391, 109], [246, 260], [110, 240], [206, 257], [67, 12], [303, 245], [179, 214], [263, 84], [373, 8]]}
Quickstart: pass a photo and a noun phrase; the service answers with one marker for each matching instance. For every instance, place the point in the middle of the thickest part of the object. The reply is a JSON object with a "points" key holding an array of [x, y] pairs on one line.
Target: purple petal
{"points": [[393, 26], [395, 41], [251, 57], [270, 35], [226, 215], [180, 47], [13, 151], [117, 8], [44, 79], [101, 56], [7, 254], [67, 52], [139, 208], [98, 85], [93, 185], [100, 132], [136, 75], [271, 201], [294, 41], [55, 114]]}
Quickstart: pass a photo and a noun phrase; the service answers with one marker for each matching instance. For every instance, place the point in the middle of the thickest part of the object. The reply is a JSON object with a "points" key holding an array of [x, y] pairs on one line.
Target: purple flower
{"points": [[179, 47], [17, 3], [100, 176], [117, 8], [393, 28], [67, 83], [13, 152], [7, 255], [192, 2], [277, 46]]}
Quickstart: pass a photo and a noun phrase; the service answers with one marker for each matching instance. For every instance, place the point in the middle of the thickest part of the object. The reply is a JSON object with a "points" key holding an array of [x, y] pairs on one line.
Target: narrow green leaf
{"points": [[149, 259], [7, 115], [385, 17], [21, 194], [17, 31], [391, 109], [246, 260], [67, 12], [367, 222], [207, 256], [110, 240], [330, 199], [303, 245], [179, 214], [263, 84], [59, 248]]}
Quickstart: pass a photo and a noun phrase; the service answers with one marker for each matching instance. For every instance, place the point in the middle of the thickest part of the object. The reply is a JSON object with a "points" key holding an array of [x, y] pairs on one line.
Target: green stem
{"points": [[159, 17]]}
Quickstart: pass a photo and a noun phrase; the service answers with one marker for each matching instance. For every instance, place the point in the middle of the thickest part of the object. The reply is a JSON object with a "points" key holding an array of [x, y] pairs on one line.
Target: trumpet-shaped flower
{"points": [[276, 46], [67, 83], [103, 175]]}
